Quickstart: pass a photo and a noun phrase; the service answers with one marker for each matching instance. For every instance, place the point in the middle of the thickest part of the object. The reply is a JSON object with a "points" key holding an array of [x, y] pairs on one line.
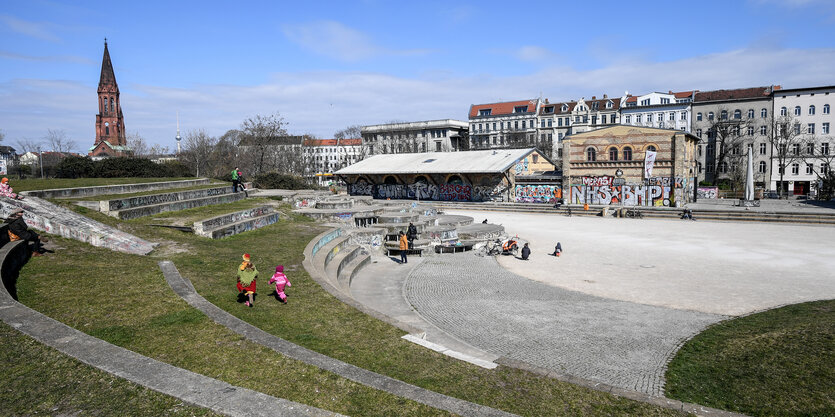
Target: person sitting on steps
{"points": [[18, 230]]}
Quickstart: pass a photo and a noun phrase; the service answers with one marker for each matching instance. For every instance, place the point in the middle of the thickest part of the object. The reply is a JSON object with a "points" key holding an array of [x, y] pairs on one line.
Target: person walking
{"points": [[411, 234], [526, 252], [235, 180], [404, 247], [247, 273], [280, 280]]}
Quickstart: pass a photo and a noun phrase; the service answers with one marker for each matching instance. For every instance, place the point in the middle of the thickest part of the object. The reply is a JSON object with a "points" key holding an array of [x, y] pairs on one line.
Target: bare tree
{"points": [[785, 139], [28, 145], [725, 133], [350, 132], [825, 159], [138, 146], [158, 150], [2, 135], [259, 133], [57, 140], [198, 149]]}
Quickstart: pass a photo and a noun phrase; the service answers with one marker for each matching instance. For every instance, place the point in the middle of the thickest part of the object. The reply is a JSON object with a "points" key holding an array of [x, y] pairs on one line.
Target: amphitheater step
{"points": [[107, 206], [79, 192], [136, 212], [351, 268], [337, 264], [238, 222]]}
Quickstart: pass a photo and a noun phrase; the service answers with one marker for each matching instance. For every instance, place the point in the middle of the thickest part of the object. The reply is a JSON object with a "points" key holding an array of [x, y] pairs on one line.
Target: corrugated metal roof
{"points": [[486, 161]]}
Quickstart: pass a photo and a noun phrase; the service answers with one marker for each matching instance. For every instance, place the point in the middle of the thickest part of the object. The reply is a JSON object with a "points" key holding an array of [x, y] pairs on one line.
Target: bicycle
{"points": [[490, 248]]}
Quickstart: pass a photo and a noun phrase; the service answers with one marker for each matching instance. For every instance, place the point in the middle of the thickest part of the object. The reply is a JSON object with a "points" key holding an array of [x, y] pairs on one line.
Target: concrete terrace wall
{"points": [[135, 212], [238, 222], [79, 192], [42, 215], [148, 200]]}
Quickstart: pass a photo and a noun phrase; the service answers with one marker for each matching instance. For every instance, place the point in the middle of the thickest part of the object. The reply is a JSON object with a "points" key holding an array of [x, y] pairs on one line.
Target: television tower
{"points": [[178, 133]]}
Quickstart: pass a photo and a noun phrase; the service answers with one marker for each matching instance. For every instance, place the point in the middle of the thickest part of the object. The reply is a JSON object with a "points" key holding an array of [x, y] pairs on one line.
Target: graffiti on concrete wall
{"points": [[489, 192], [391, 191], [333, 234], [707, 192], [455, 192], [657, 191], [361, 188], [423, 191], [535, 193], [304, 203]]}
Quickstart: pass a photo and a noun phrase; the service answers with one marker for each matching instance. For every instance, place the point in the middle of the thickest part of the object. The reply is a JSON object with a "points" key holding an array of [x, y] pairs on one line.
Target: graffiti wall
{"points": [[455, 192], [656, 191], [361, 188], [535, 193], [707, 192]]}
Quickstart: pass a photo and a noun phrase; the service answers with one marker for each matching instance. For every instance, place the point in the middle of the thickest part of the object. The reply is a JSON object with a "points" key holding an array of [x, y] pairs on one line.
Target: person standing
{"points": [[235, 180], [411, 234], [247, 273], [404, 247], [526, 252]]}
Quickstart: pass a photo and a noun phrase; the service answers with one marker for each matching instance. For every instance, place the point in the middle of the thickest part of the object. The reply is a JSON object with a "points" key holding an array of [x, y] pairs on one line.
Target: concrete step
{"points": [[107, 206], [329, 250], [244, 225], [350, 270], [133, 213], [79, 192], [337, 265], [208, 226]]}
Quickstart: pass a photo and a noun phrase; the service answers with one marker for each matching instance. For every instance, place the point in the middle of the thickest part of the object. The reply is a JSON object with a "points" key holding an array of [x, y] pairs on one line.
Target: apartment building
{"points": [[810, 155], [662, 110], [511, 124], [728, 122], [324, 156], [559, 120], [446, 135]]}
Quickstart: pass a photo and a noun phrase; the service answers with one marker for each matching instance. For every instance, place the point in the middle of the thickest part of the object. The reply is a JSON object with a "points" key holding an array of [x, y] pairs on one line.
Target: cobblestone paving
{"points": [[615, 342]]}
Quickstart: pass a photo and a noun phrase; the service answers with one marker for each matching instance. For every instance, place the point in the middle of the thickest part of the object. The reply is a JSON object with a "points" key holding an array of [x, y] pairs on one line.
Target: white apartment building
{"points": [[558, 120], [511, 124], [324, 156], [446, 135], [811, 112], [662, 110]]}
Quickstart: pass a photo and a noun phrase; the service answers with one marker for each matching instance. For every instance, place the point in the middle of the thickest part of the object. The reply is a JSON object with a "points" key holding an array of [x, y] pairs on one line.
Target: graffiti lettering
{"points": [[361, 188], [598, 181], [423, 191], [535, 193], [630, 194], [707, 192], [455, 192]]}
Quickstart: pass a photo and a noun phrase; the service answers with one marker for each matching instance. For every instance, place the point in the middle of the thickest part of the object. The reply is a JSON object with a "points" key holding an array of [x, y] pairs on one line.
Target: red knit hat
{"points": [[246, 257]]}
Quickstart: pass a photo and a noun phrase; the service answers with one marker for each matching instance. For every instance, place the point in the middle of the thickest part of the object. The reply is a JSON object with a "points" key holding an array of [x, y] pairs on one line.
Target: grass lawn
{"points": [[779, 362], [52, 183], [124, 299], [37, 379]]}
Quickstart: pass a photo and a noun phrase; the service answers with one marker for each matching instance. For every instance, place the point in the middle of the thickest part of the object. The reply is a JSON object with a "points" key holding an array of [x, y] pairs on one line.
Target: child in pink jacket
{"points": [[280, 281]]}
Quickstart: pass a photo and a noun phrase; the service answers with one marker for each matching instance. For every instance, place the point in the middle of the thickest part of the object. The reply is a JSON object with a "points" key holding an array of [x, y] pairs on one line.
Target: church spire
{"points": [[108, 78]]}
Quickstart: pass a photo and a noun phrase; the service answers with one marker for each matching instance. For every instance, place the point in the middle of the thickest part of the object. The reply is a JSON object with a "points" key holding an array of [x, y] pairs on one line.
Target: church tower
{"points": [[110, 124]]}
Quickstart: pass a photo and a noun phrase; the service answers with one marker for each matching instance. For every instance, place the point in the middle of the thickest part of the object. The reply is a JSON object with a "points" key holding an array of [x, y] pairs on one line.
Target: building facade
{"points": [[728, 123], [558, 120], [445, 135], [630, 166], [324, 156], [110, 122], [661, 110], [511, 124], [810, 156]]}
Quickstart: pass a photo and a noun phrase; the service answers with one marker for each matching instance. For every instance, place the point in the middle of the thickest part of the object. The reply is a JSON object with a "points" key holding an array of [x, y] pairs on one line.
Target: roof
{"points": [[332, 142], [107, 75], [426, 124], [683, 94], [507, 107], [737, 94], [622, 130], [485, 161], [801, 89]]}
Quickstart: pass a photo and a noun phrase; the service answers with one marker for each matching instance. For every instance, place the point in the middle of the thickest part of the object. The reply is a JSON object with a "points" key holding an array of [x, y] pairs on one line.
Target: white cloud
{"points": [[32, 29], [48, 58], [337, 41], [533, 53], [324, 102]]}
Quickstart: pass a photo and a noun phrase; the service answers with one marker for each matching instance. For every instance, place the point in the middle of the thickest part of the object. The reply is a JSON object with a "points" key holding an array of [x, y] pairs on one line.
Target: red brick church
{"points": [[110, 124]]}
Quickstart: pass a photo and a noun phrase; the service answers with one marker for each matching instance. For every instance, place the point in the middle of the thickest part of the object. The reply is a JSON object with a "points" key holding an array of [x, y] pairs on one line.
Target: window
{"points": [[710, 116], [559, 121], [825, 148], [762, 167], [810, 128], [812, 110], [783, 111], [649, 118], [549, 109], [665, 101], [750, 130], [683, 116], [762, 130], [825, 109], [112, 108], [637, 118], [520, 109], [516, 124], [651, 148], [735, 150], [810, 148], [484, 112], [796, 149], [594, 120], [628, 119], [825, 128], [542, 123], [709, 169], [824, 168], [591, 154], [494, 128], [809, 169], [550, 122], [763, 113], [797, 110], [723, 167], [699, 133], [523, 124], [603, 119], [797, 128], [608, 104], [751, 113], [559, 136], [737, 114], [711, 149], [763, 148], [627, 154], [613, 154], [699, 116], [645, 102], [576, 119], [660, 117], [672, 117], [594, 106]]}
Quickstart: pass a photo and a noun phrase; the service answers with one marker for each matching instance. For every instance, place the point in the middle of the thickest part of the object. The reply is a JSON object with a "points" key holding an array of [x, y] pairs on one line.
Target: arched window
{"points": [[783, 111], [710, 116], [699, 116], [762, 167], [591, 154], [106, 129], [421, 178], [812, 110], [737, 114], [455, 180], [390, 180], [797, 110], [613, 154], [112, 107], [751, 113], [825, 109], [723, 115], [627, 154], [651, 148], [763, 113]]}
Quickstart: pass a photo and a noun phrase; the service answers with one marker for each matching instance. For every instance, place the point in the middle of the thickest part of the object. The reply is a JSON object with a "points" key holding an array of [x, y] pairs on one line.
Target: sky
{"points": [[326, 65]]}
